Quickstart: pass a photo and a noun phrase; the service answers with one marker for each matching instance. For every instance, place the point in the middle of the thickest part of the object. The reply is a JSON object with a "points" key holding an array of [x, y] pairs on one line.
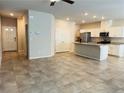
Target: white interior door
{"points": [[9, 38], [62, 41]]}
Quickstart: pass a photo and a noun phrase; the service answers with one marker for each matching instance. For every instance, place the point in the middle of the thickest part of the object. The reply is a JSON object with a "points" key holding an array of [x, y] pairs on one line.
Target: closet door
{"points": [[62, 40]]}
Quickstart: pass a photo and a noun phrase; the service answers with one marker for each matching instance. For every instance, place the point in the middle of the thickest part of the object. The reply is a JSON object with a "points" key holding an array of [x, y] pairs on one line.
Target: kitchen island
{"points": [[92, 50]]}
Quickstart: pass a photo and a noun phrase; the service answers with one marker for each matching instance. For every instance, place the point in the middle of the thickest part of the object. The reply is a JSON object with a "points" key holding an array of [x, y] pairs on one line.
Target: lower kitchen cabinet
{"points": [[116, 50]]}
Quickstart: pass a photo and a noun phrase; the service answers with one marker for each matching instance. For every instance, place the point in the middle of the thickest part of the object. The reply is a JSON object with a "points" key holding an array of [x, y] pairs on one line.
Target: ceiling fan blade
{"points": [[69, 1], [52, 3]]}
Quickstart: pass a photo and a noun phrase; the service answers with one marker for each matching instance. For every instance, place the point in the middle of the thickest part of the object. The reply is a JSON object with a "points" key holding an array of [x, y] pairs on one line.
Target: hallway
{"points": [[9, 56]]}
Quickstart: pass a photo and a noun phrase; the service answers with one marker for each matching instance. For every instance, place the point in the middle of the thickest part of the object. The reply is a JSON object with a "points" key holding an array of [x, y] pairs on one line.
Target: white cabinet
{"points": [[95, 32], [88, 50], [83, 30], [116, 50], [115, 31], [106, 24]]}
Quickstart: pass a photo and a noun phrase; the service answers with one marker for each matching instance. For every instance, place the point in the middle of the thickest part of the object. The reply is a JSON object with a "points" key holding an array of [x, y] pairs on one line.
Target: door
{"points": [[9, 38], [62, 40]]}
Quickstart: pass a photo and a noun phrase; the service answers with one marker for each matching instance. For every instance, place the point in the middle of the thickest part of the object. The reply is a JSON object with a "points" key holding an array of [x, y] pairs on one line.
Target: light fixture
{"points": [[86, 14], [6, 29], [103, 17], [11, 14], [11, 30], [94, 17], [67, 19], [83, 21]]}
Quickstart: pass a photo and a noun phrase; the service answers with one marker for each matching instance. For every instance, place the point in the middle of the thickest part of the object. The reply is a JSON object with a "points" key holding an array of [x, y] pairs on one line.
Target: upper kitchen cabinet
{"points": [[84, 30], [94, 32], [115, 31], [106, 24]]}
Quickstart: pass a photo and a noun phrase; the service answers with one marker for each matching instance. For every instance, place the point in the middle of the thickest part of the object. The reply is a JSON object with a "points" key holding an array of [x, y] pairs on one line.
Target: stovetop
{"points": [[104, 42]]}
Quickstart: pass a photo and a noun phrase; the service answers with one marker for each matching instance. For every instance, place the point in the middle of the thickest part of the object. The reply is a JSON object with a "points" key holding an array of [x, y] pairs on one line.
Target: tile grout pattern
{"points": [[63, 73]]}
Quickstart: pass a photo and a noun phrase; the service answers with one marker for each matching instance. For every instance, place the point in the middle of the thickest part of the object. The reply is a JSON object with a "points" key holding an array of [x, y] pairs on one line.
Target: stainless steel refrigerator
{"points": [[86, 37]]}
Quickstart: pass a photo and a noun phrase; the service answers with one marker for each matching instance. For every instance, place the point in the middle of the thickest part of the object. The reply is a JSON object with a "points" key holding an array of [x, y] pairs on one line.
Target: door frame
{"points": [[2, 39]]}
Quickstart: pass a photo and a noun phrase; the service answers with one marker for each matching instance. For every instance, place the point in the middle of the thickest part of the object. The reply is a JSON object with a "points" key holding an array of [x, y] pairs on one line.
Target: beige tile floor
{"points": [[63, 73]]}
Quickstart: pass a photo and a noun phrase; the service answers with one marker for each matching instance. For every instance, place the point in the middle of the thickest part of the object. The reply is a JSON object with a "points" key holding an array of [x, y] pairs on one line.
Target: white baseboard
{"points": [[30, 58]]}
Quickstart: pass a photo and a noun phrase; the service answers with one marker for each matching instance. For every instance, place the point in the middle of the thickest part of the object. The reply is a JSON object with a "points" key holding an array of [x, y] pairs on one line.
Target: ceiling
{"points": [[110, 9]]}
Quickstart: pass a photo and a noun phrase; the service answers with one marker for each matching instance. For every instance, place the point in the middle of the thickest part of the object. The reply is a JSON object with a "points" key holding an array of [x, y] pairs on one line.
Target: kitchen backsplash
{"points": [[113, 39], [121, 40]]}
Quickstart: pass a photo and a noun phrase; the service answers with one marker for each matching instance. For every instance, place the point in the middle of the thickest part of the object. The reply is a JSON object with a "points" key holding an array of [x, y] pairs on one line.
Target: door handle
{"points": [[15, 38]]}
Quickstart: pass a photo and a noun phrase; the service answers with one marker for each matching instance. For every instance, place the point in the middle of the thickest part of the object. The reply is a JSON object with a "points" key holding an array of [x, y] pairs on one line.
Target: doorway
{"points": [[13, 38], [9, 39]]}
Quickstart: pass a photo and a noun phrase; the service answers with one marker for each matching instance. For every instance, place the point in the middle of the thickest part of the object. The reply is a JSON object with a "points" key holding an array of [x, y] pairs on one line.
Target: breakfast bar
{"points": [[91, 50]]}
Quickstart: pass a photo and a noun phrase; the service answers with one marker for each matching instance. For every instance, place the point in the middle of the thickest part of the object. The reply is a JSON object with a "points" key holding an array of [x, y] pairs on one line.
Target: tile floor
{"points": [[63, 73]]}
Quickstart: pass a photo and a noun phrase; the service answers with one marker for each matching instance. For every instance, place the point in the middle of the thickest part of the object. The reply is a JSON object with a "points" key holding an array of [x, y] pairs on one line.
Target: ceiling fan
{"points": [[67, 1]]}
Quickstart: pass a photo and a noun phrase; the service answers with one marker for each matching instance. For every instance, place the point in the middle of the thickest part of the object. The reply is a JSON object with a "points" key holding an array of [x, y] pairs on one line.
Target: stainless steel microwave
{"points": [[104, 34]]}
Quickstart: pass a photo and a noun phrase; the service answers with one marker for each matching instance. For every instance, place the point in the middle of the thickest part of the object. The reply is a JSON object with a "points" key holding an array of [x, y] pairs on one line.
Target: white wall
{"points": [[8, 21], [65, 35], [41, 28]]}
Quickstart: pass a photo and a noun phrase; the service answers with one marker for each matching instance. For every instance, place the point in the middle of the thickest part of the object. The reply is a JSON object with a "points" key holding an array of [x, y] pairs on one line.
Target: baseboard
{"points": [[31, 58]]}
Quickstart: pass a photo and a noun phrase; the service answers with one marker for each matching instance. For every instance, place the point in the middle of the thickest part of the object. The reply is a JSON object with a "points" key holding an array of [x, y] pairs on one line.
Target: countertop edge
{"points": [[94, 44]]}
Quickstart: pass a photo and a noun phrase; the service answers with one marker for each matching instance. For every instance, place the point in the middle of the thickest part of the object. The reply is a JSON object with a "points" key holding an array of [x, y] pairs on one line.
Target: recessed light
{"points": [[103, 17], [11, 14], [86, 14], [11, 30], [94, 17], [83, 21], [67, 19], [6, 29]]}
